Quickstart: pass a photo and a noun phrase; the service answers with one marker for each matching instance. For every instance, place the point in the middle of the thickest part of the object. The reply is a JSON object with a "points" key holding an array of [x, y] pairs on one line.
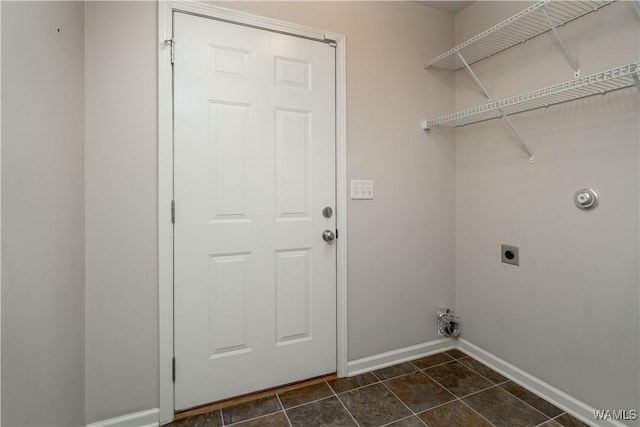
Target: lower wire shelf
{"points": [[594, 84]]}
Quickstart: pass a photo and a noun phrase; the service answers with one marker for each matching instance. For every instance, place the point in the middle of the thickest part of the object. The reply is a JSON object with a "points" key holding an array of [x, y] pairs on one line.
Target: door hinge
{"points": [[172, 46], [173, 212], [337, 234], [173, 369]]}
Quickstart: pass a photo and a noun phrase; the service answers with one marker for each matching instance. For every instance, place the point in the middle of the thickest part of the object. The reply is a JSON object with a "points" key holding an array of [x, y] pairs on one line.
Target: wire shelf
{"points": [[519, 28], [599, 83]]}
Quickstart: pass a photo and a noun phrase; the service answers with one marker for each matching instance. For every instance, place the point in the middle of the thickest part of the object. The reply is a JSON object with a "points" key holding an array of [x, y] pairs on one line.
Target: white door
{"points": [[254, 152]]}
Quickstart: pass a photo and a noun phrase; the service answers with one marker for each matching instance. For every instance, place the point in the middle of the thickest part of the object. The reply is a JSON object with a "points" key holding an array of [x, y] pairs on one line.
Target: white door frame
{"points": [[0, 228], [165, 176]]}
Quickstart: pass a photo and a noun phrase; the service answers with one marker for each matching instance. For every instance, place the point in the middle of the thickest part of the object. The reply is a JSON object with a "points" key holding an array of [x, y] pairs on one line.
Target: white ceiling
{"points": [[454, 6]]}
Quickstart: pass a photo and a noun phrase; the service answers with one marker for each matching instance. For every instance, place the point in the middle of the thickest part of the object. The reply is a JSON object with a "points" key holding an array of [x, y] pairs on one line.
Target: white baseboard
{"points": [[148, 418], [557, 397], [383, 360], [569, 404]]}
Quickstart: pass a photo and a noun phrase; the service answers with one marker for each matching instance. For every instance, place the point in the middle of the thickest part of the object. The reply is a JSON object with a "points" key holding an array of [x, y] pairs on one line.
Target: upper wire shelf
{"points": [[519, 28], [599, 83]]}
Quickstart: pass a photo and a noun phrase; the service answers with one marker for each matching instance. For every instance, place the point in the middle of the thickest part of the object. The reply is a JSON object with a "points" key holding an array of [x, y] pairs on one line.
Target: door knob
{"points": [[328, 236]]}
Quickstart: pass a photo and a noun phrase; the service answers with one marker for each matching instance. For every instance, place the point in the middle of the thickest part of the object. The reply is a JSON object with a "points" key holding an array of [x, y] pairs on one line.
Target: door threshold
{"points": [[221, 404]]}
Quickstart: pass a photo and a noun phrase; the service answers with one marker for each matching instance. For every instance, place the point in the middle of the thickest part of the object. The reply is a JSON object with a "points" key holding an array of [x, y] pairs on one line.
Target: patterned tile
{"points": [[567, 420], [305, 395], [434, 359], [483, 370], [457, 379], [454, 413], [325, 412], [210, 419], [537, 402], [253, 409], [374, 405], [456, 354], [503, 409], [418, 391], [279, 419], [427, 386], [395, 371], [340, 385]]}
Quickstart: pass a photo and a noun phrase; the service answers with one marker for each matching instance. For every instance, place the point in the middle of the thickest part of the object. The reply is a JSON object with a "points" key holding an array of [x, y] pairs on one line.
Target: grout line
{"points": [[479, 414], [531, 406], [459, 399], [456, 358], [344, 406], [254, 418], [476, 392], [306, 403], [439, 405], [473, 370], [356, 388], [396, 396], [452, 393], [402, 419], [397, 376], [439, 364], [284, 410], [477, 373]]}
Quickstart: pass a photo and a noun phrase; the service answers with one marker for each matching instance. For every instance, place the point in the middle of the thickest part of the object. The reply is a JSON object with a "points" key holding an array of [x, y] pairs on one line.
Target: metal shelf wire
{"points": [[519, 28], [598, 83]]}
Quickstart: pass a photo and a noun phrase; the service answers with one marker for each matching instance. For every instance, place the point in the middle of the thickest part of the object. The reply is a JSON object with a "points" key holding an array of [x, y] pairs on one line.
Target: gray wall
{"points": [[556, 316], [42, 214], [401, 245], [121, 208], [569, 313], [394, 287]]}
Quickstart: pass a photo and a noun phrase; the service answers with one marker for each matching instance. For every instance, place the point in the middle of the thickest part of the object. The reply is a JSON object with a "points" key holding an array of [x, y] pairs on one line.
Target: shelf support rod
{"points": [[477, 80], [532, 158], [565, 49], [637, 81]]}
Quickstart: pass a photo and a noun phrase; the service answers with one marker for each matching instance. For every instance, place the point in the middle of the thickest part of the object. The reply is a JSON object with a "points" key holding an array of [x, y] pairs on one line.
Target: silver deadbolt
{"points": [[586, 198], [327, 212], [328, 236]]}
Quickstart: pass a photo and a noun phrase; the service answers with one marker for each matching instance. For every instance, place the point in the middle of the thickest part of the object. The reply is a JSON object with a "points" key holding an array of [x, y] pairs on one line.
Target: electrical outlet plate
{"points": [[361, 189], [509, 254]]}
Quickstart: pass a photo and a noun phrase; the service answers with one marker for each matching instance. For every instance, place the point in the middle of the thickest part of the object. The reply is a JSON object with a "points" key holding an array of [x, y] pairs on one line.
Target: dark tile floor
{"points": [[447, 389]]}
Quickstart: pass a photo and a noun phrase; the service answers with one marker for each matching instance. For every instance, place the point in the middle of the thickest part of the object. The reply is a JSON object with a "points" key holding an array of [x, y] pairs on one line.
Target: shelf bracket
{"points": [[565, 49], [532, 158], [477, 80]]}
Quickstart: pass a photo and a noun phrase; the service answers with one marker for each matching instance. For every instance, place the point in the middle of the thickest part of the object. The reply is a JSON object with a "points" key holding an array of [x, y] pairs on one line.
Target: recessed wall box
{"points": [[509, 254]]}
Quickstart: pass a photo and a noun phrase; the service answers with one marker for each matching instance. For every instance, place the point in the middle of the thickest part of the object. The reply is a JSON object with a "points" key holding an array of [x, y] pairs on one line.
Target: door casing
{"points": [[165, 177]]}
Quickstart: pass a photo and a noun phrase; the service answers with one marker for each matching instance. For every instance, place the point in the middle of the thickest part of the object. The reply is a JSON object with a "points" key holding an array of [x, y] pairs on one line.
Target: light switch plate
{"points": [[361, 189]]}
